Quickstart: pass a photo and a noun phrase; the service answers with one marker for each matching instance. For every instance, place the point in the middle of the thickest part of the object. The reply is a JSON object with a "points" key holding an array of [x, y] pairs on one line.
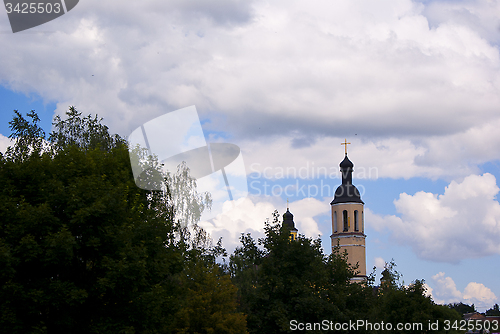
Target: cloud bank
{"points": [[462, 223], [420, 80], [445, 291]]}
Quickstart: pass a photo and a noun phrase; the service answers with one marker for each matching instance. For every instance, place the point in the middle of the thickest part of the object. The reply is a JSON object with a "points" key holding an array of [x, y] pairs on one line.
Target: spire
{"points": [[346, 169], [346, 192], [288, 219], [288, 222]]}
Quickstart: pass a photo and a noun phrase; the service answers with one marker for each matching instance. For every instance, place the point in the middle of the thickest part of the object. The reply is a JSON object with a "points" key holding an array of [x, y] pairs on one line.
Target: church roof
{"points": [[288, 220], [346, 163], [346, 192]]}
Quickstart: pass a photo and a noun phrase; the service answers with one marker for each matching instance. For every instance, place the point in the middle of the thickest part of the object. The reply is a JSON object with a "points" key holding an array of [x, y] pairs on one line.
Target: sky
{"points": [[414, 86]]}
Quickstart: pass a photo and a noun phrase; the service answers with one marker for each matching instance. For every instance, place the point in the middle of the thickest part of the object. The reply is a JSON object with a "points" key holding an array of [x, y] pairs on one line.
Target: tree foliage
{"points": [[28, 136], [86, 133], [494, 311], [209, 302], [187, 202], [462, 308], [84, 250], [287, 280], [280, 280]]}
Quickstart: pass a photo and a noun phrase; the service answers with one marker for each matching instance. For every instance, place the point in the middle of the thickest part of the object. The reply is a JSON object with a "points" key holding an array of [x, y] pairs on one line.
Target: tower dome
{"points": [[346, 163], [347, 192], [288, 222], [288, 219]]}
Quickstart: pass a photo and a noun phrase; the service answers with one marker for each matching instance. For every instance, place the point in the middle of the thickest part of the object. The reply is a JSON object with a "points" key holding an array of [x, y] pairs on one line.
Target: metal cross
{"points": [[345, 143]]}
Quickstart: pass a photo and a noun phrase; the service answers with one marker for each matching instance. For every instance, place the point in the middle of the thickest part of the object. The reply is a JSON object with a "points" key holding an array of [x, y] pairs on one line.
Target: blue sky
{"points": [[413, 85], [12, 100]]}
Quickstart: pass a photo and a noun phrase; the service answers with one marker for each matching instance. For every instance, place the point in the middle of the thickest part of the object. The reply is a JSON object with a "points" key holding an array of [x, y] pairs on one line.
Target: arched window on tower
{"points": [[356, 224], [346, 221], [335, 222]]}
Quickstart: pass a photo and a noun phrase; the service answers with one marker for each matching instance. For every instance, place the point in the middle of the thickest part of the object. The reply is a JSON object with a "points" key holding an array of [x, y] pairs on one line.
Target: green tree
{"points": [[462, 308], [400, 304], [86, 133], [494, 310], [82, 248], [289, 280], [209, 303], [28, 136], [280, 280]]}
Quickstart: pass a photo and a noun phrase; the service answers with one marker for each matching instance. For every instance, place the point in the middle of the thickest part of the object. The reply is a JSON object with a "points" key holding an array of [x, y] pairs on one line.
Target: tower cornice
{"points": [[348, 234]]}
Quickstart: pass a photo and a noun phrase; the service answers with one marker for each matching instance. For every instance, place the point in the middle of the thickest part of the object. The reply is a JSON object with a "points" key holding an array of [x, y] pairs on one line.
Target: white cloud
{"points": [[445, 291], [5, 142], [246, 216], [479, 295], [304, 212], [428, 291], [249, 214], [379, 263], [462, 223]]}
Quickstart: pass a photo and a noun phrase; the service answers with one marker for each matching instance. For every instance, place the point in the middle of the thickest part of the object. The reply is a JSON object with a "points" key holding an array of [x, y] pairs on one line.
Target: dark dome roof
{"points": [[288, 220], [347, 193], [346, 163], [287, 215]]}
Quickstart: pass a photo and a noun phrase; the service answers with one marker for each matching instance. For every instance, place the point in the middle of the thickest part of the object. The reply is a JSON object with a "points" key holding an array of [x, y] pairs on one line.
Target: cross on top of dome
{"points": [[345, 143]]}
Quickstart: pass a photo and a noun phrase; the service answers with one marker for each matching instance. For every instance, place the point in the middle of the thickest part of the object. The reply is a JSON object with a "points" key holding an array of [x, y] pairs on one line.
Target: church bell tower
{"points": [[288, 221], [348, 220]]}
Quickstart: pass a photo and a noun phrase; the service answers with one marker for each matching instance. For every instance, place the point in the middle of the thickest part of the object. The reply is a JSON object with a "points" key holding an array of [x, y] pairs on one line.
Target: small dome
{"points": [[346, 163], [288, 220]]}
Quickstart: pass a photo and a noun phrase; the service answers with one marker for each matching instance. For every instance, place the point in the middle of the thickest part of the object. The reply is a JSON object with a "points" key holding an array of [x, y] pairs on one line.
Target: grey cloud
{"points": [[221, 11], [269, 71], [303, 142], [482, 17]]}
